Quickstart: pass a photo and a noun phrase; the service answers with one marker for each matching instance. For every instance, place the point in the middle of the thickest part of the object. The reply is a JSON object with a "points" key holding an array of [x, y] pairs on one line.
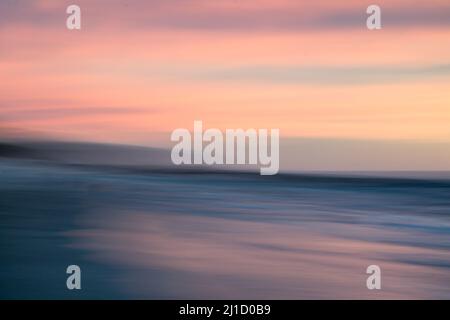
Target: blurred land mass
{"points": [[85, 153]]}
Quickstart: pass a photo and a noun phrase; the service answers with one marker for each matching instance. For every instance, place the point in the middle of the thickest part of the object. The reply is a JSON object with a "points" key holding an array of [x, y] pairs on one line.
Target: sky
{"points": [[137, 70]]}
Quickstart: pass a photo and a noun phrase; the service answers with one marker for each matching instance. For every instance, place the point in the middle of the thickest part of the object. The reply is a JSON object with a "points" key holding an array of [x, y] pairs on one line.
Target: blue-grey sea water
{"points": [[199, 234]]}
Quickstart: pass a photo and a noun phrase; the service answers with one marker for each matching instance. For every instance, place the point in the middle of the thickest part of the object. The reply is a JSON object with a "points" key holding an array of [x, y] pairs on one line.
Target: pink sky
{"points": [[140, 69]]}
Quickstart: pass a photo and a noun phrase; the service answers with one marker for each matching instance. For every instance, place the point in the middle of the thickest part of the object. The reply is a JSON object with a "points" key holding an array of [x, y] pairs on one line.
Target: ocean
{"points": [[197, 234]]}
